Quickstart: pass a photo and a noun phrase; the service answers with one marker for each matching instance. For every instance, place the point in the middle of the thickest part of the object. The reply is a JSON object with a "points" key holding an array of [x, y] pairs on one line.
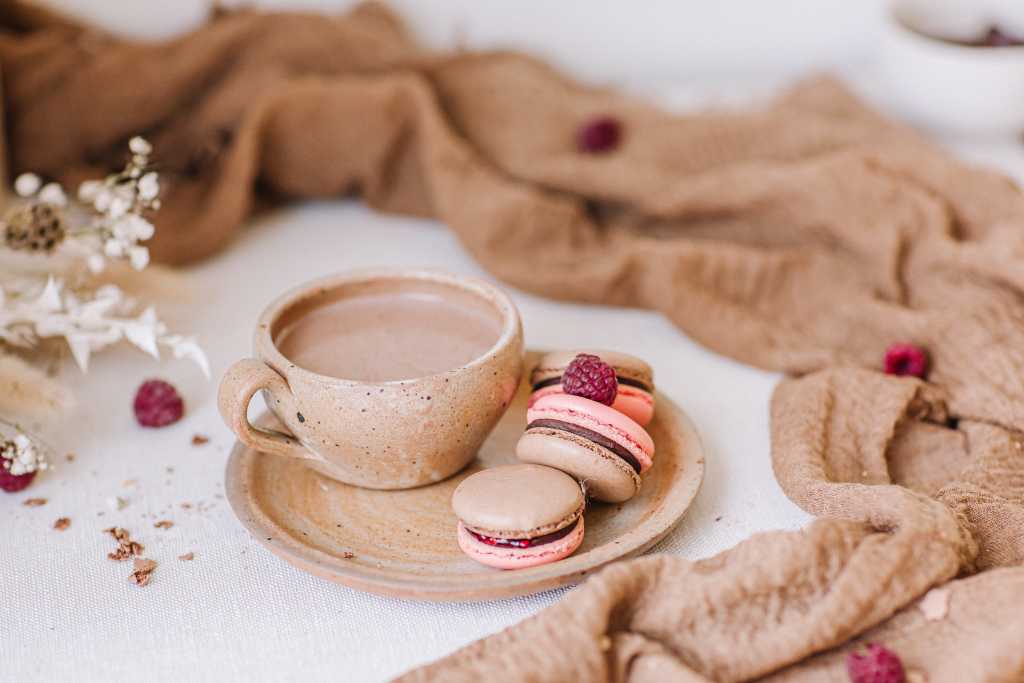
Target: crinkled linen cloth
{"points": [[804, 237]]}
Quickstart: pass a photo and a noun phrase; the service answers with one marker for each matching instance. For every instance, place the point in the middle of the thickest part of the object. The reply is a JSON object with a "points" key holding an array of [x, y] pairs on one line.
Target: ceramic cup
{"points": [[377, 434]]}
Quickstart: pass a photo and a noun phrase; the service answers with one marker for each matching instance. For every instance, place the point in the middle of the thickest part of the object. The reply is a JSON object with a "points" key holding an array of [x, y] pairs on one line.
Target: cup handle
{"points": [[241, 381]]}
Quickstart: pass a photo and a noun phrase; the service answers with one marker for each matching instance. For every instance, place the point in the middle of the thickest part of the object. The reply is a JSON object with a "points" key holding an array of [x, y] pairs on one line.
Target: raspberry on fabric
{"points": [[590, 377], [878, 664], [158, 404], [599, 135], [906, 360], [12, 483]]}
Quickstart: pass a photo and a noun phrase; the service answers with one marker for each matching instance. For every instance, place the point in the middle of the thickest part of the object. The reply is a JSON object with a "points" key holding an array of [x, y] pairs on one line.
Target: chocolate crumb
{"points": [[34, 502], [126, 547], [200, 439], [187, 557], [143, 564], [143, 570], [62, 523], [164, 524], [347, 555], [70, 457]]}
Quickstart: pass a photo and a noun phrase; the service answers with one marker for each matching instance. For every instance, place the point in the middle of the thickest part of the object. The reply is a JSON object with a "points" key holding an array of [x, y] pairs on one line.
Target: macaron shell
{"points": [[604, 475], [541, 393], [517, 501], [520, 558], [632, 402], [635, 403], [599, 418]]}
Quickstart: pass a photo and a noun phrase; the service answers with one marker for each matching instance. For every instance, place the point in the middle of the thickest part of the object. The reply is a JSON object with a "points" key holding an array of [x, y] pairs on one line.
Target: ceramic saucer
{"points": [[402, 543]]}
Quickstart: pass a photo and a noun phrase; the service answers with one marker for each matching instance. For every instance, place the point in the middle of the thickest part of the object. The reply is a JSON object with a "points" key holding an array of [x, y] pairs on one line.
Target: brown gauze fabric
{"points": [[804, 237]]}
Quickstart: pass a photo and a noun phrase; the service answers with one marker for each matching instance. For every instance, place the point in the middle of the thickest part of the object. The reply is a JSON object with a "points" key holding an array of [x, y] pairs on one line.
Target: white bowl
{"points": [[953, 87]]}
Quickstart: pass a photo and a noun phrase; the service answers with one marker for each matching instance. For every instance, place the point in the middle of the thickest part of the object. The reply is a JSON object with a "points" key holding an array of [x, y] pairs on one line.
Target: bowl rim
{"points": [[901, 25]]}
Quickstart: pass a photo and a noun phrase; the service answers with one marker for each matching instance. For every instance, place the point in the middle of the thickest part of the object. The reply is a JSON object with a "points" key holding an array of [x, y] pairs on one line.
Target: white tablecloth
{"points": [[236, 612]]}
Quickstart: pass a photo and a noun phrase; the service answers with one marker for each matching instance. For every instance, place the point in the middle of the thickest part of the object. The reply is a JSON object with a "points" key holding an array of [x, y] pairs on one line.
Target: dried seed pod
{"points": [[36, 226]]}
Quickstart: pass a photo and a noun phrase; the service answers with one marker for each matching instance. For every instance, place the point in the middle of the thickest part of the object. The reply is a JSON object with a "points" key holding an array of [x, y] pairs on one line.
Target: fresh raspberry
{"points": [[12, 483], [590, 377], [906, 360], [158, 404], [878, 665], [599, 135]]}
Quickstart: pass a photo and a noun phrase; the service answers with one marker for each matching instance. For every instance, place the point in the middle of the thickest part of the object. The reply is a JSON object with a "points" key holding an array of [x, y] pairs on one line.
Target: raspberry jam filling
{"points": [[589, 435], [524, 542], [552, 381]]}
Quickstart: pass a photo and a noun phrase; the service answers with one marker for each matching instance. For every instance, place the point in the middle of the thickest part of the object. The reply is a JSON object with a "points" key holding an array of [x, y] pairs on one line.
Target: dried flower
{"points": [[88, 323], [139, 146], [21, 456], [37, 227], [52, 193], [27, 184], [119, 202]]}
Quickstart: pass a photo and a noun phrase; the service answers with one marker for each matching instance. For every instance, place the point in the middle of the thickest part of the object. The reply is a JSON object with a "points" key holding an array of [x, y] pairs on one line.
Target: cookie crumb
{"points": [[187, 557], [186, 506], [142, 571], [70, 457], [200, 439], [62, 523], [164, 524], [34, 502], [126, 547], [128, 483], [347, 555], [935, 604]]}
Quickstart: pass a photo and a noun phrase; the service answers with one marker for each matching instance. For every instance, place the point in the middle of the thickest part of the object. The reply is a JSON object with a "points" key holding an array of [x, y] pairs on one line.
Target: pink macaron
{"points": [[519, 516], [603, 448], [635, 396]]}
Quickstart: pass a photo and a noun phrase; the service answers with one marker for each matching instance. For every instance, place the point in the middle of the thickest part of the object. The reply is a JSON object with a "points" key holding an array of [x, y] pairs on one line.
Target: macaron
{"points": [[519, 516], [636, 381], [604, 449]]}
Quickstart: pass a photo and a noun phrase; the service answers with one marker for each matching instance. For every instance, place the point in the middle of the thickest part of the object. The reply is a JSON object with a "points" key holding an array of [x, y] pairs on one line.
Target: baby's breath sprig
{"points": [[120, 201], [20, 455]]}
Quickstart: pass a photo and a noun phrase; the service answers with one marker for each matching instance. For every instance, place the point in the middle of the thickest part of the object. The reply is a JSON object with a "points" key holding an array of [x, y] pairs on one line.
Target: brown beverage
{"points": [[380, 336]]}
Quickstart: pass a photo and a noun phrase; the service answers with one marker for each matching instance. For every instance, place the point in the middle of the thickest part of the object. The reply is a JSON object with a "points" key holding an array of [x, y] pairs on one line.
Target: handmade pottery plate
{"points": [[402, 543]]}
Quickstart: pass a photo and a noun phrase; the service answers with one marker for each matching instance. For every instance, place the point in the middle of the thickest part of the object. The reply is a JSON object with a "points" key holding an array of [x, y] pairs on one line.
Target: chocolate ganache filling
{"points": [[589, 435], [524, 542], [552, 381]]}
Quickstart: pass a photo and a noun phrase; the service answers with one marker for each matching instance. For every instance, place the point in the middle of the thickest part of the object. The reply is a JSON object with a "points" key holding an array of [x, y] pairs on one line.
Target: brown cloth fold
{"points": [[805, 237]]}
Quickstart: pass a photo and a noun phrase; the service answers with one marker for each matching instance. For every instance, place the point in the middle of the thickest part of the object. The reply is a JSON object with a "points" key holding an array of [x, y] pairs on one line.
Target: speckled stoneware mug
{"points": [[386, 379]]}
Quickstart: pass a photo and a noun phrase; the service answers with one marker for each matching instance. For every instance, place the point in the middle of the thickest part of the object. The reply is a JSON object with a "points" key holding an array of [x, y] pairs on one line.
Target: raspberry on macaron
{"points": [[634, 380]]}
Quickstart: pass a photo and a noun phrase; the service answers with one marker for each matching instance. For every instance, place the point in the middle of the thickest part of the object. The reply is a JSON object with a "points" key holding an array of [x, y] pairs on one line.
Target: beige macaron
{"points": [[519, 516], [518, 501]]}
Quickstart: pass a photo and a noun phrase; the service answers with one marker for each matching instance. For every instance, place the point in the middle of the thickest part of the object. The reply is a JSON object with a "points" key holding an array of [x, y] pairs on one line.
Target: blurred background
{"points": [[913, 59], [600, 42]]}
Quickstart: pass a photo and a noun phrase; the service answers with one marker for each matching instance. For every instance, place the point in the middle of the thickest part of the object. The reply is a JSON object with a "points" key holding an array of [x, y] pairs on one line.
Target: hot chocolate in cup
{"points": [[386, 379]]}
